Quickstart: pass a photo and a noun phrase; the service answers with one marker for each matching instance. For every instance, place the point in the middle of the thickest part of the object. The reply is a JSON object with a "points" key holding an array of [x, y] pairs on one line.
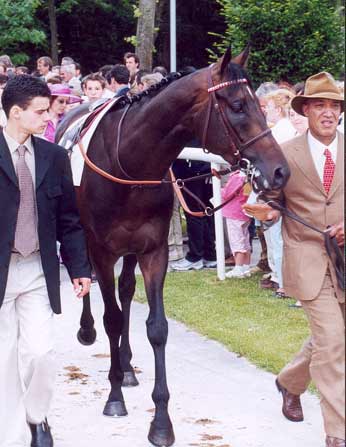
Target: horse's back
{"points": [[71, 117]]}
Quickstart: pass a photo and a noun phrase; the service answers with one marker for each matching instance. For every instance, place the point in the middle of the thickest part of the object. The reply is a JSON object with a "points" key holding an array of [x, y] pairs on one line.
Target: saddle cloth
{"points": [[70, 138]]}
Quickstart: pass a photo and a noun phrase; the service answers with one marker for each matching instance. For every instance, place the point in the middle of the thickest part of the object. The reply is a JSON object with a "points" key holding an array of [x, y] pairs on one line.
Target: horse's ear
{"points": [[226, 59], [243, 57]]}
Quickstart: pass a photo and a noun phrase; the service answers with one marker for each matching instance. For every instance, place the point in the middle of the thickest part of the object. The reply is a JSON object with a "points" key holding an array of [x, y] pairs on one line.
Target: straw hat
{"points": [[319, 86], [63, 90]]}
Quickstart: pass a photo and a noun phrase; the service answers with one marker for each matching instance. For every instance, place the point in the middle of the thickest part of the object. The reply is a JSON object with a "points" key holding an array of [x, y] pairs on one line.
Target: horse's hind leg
{"points": [[113, 322], [154, 266], [126, 286]]}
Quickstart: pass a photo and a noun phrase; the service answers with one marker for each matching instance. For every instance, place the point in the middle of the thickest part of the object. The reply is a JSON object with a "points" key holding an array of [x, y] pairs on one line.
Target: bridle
{"points": [[236, 144]]}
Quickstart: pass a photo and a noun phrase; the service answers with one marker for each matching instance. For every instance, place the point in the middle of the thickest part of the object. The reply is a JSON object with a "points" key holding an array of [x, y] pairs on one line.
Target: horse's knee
{"points": [[113, 323], [157, 331]]}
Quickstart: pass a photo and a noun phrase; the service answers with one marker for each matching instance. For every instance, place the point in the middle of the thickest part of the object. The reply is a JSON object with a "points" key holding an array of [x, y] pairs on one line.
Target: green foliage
{"points": [[290, 39], [93, 32], [19, 28]]}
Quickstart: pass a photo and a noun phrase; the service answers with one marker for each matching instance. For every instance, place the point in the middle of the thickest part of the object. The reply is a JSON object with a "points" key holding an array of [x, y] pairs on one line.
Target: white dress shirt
{"points": [[317, 152], [29, 159], [29, 154]]}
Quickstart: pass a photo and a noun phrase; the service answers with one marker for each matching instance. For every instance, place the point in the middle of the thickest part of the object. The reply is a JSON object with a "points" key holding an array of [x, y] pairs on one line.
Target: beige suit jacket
{"points": [[305, 260]]}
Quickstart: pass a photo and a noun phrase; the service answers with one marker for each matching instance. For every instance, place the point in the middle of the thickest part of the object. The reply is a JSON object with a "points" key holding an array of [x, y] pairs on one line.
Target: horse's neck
{"points": [[161, 128]]}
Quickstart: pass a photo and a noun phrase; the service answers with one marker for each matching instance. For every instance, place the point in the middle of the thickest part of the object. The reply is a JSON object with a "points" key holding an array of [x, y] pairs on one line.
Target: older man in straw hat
{"points": [[315, 193]]}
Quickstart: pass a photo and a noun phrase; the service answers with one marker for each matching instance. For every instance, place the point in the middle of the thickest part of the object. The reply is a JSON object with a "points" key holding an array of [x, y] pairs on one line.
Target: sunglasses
{"points": [[63, 101]]}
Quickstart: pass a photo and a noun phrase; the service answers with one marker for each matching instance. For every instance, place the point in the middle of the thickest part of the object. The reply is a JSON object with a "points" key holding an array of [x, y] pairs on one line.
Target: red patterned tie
{"points": [[329, 168]]}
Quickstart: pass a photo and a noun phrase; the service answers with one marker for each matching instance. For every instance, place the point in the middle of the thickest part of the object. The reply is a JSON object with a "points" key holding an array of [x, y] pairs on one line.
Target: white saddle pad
{"points": [[77, 160]]}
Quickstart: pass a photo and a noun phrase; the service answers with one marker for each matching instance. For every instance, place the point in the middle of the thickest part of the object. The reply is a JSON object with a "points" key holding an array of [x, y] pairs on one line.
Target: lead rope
{"points": [[179, 186], [330, 243]]}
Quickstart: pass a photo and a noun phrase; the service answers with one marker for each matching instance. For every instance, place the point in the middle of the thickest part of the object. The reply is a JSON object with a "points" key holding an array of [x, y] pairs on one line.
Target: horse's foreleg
{"points": [[154, 266], [113, 322], [126, 286]]}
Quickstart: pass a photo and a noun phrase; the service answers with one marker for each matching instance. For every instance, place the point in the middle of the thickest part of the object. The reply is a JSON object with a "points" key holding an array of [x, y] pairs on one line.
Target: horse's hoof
{"points": [[86, 337], [161, 437], [115, 409], [130, 379]]}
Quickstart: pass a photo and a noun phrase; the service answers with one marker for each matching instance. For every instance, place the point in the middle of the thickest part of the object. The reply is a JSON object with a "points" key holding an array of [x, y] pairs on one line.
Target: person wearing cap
{"points": [[37, 208], [61, 97], [314, 192]]}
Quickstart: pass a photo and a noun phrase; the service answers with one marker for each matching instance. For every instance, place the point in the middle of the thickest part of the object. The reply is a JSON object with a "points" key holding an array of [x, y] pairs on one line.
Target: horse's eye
{"points": [[237, 107]]}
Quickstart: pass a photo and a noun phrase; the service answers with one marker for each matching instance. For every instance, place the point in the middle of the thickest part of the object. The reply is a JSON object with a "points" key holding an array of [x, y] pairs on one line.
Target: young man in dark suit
{"points": [[37, 209]]}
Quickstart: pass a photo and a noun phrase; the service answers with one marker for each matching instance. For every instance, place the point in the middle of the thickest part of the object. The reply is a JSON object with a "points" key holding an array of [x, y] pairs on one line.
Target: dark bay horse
{"points": [[217, 105]]}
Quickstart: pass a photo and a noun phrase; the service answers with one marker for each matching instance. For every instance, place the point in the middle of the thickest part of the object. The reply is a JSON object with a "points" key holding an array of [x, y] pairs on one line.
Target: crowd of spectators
{"points": [[69, 88]]}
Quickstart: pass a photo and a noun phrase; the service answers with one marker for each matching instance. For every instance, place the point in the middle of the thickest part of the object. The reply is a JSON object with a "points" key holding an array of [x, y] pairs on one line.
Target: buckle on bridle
{"points": [[208, 211], [180, 183]]}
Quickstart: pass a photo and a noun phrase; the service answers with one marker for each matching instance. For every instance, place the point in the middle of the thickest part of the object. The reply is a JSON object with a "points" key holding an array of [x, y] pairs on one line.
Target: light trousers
{"points": [[322, 359], [273, 237], [27, 366], [175, 236]]}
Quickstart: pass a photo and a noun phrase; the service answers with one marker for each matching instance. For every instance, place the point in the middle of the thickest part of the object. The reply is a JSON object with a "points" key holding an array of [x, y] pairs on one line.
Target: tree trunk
{"points": [[145, 33], [53, 31]]}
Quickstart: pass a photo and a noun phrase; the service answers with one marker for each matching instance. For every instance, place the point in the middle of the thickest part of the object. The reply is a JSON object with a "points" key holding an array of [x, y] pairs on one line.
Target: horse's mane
{"points": [[235, 72], [152, 90]]}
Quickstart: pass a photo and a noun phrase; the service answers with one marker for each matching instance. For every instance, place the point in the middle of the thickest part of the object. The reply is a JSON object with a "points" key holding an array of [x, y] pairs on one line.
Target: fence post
{"points": [[218, 221]]}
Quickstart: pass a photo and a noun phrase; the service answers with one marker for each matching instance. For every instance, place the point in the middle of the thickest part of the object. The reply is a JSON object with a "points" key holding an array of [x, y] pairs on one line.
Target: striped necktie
{"points": [[26, 240]]}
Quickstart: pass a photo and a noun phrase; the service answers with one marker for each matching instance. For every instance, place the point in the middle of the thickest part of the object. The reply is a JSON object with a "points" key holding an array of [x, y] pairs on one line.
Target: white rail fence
{"points": [[193, 153]]}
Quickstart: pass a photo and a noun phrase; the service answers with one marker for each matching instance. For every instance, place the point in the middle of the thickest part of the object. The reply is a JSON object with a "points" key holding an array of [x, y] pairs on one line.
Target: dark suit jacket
{"points": [[58, 217]]}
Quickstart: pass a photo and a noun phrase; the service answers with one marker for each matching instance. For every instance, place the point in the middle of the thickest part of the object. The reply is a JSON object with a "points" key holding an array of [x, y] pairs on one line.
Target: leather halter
{"points": [[235, 142]]}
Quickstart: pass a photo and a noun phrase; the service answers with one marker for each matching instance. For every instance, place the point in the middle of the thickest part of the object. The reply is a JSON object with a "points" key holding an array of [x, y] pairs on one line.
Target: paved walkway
{"points": [[217, 399]]}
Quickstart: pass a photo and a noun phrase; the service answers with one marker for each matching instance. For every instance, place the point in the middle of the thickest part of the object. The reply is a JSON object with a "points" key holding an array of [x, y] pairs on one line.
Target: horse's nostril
{"points": [[280, 176]]}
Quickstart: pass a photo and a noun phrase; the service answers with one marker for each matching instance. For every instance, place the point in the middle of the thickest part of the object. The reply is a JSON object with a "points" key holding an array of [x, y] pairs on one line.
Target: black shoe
{"points": [[41, 435]]}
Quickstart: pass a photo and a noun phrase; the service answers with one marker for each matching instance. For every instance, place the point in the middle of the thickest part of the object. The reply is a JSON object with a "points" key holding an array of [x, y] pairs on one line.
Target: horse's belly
{"points": [[137, 238]]}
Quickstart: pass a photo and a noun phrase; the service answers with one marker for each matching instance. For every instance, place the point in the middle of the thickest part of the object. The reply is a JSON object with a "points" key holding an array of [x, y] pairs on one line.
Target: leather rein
{"points": [[179, 184], [332, 248]]}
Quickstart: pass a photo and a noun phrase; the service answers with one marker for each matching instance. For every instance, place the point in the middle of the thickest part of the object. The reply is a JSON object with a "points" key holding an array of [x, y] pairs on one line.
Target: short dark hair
{"points": [[134, 55], [105, 69], [94, 77], [46, 61], [139, 74], [21, 90], [120, 73]]}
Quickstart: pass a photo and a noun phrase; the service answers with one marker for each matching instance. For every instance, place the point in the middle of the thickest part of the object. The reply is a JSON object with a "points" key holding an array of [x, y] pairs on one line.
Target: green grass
{"points": [[236, 312]]}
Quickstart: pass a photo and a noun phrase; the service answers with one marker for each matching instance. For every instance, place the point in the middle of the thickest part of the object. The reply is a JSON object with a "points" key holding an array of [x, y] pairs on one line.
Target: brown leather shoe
{"points": [[291, 405], [335, 442]]}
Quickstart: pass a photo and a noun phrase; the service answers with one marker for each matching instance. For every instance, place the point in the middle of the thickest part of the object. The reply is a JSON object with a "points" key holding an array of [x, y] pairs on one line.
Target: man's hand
{"points": [[261, 211], [81, 286], [339, 232]]}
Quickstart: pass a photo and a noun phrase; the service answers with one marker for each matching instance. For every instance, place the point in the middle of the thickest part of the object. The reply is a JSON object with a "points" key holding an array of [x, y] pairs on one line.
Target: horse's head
{"points": [[235, 127]]}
